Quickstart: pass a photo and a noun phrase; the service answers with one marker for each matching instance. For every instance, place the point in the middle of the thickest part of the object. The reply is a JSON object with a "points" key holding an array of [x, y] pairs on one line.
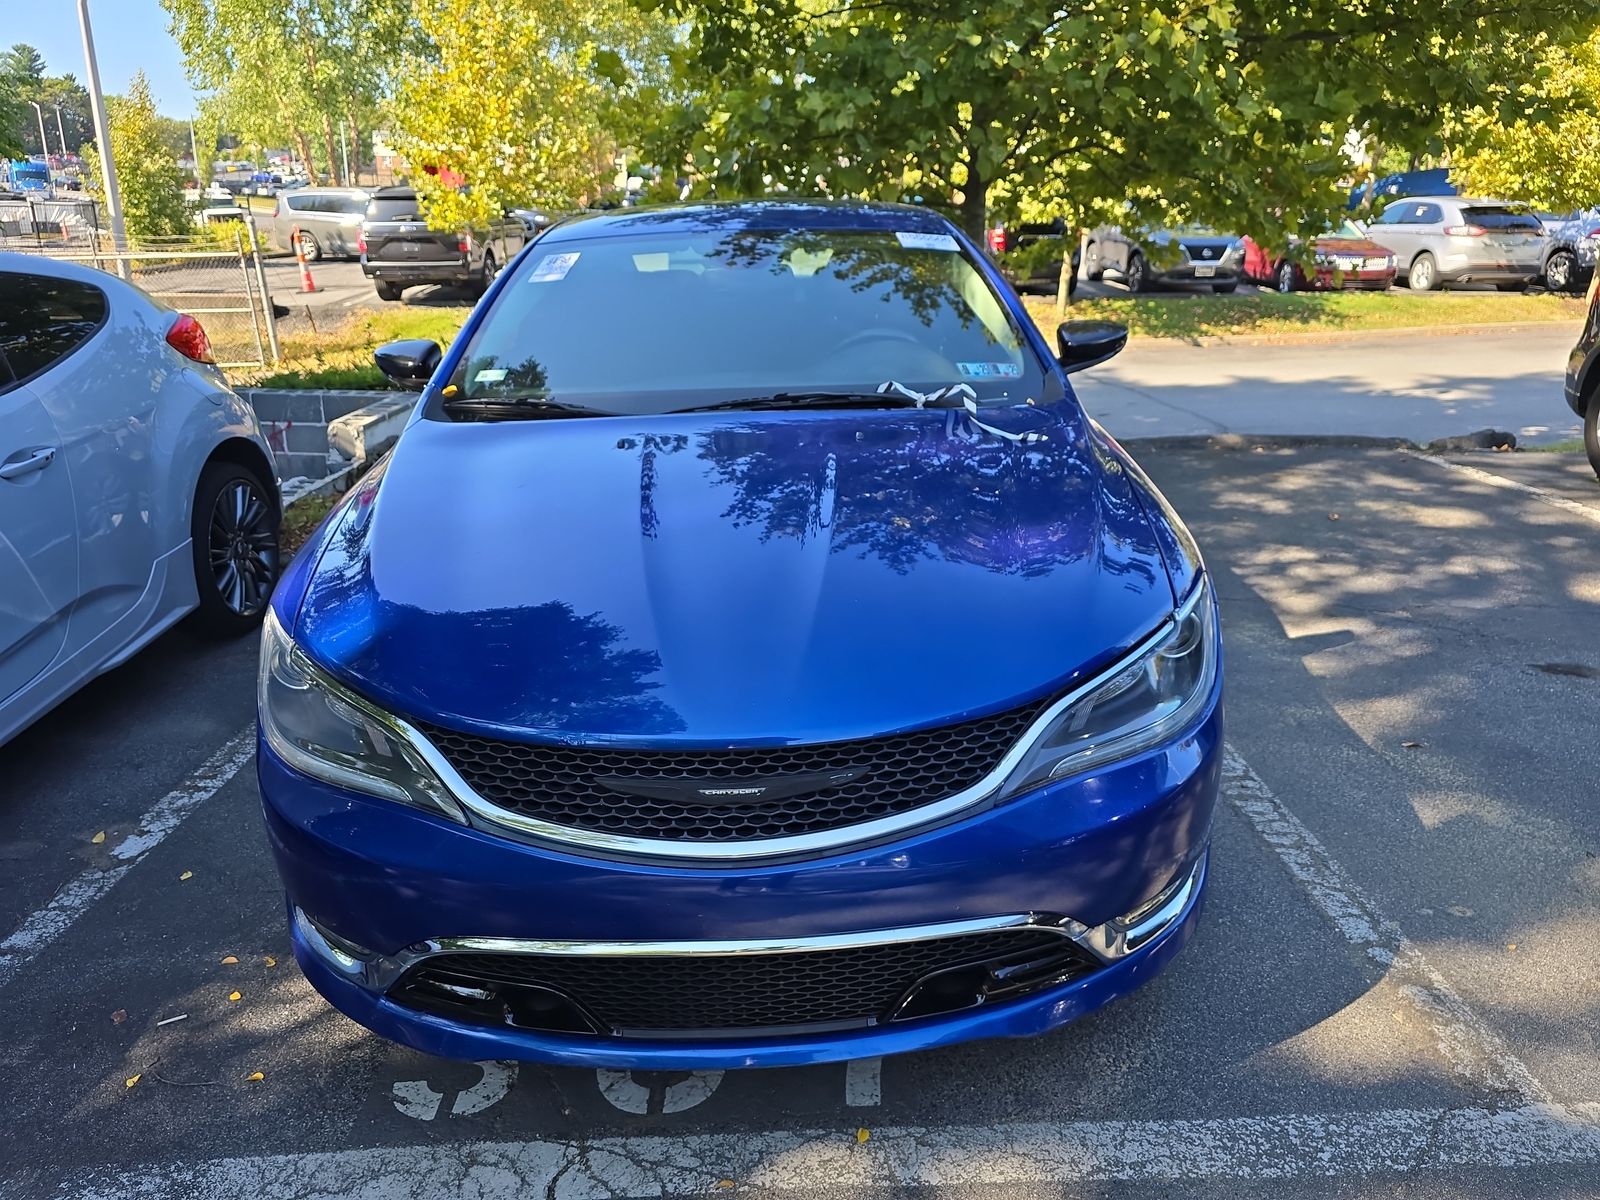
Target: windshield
{"points": [[660, 321]]}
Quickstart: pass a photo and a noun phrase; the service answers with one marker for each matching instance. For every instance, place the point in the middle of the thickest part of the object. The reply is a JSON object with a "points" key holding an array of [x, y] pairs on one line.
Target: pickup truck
{"points": [[398, 249]]}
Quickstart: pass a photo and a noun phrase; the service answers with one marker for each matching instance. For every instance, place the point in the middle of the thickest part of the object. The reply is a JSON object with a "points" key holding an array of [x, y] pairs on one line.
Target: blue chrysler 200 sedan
{"points": [[750, 654]]}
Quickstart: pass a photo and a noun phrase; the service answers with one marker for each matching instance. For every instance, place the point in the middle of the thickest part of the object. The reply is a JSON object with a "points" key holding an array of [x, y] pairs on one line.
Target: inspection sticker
{"points": [[553, 266], [989, 370], [490, 375], [926, 241]]}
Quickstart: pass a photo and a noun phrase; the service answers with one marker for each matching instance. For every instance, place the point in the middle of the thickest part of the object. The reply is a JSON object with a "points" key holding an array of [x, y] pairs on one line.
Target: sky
{"points": [[129, 36]]}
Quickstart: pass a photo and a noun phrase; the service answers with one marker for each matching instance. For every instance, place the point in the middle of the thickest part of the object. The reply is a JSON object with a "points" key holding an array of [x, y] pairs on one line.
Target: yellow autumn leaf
{"points": [[99, 837], [235, 995], [131, 1080], [862, 1135], [229, 961], [186, 875], [254, 1077], [723, 1185], [271, 962]]}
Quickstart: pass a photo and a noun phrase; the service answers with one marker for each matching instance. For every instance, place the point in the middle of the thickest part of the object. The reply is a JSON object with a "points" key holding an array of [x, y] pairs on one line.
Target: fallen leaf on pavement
{"points": [[723, 1185], [235, 995], [130, 1081], [1333, 516], [118, 1017], [229, 961], [254, 1077], [271, 962], [99, 837], [1511, 946], [186, 875], [862, 1135]]}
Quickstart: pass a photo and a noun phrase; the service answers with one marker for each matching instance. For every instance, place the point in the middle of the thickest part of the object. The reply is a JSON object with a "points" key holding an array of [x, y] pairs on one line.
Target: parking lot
{"points": [[1394, 990]]}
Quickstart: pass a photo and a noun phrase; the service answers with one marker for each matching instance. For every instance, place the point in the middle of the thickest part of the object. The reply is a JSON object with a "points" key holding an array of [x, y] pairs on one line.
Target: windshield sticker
{"points": [[490, 375], [989, 370], [927, 241], [553, 267]]}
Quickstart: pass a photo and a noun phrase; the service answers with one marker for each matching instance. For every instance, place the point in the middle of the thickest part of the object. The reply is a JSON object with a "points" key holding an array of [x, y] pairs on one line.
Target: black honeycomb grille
{"points": [[853, 987], [559, 784]]}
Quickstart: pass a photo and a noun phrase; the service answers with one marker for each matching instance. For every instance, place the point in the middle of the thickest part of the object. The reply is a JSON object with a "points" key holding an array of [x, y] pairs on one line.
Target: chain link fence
{"points": [[215, 276]]}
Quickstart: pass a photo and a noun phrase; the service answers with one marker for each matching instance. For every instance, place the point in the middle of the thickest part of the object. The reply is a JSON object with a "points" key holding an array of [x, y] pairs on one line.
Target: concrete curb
{"points": [[1268, 441], [1313, 337]]}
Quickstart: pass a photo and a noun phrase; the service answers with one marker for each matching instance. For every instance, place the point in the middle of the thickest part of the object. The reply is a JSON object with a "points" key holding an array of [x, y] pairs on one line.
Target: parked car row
{"points": [[1422, 242]]}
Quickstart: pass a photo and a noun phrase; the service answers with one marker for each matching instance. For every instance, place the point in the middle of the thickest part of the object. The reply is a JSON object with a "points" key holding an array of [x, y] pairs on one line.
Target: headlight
{"points": [[318, 726], [1152, 697]]}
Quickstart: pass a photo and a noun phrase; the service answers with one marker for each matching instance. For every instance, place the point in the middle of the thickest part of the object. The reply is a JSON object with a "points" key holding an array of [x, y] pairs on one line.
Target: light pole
{"points": [[61, 133], [102, 137], [44, 146], [194, 148]]}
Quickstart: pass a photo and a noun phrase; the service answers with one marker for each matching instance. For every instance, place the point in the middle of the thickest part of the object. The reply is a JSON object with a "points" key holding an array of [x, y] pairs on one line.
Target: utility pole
{"points": [[344, 150], [44, 146], [200, 180], [61, 133], [102, 137]]}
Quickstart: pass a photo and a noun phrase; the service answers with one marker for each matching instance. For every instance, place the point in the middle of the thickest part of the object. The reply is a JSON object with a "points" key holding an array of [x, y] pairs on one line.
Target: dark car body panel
{"points": [[402, 250]]}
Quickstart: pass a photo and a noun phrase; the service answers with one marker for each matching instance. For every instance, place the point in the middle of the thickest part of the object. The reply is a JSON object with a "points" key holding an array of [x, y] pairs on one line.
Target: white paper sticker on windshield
{"points": [[989, 370], [490, 375], [553, 267], [926, 241]]}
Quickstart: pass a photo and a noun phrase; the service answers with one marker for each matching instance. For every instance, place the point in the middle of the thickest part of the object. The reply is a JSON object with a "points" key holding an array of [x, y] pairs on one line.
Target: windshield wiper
{"points": [[516, 408], [822, 399]]}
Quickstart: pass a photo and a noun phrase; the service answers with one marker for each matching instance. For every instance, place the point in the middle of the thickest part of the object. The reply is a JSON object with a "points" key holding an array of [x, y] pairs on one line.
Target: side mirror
{"points": [[1083, 344], [409, 363]]}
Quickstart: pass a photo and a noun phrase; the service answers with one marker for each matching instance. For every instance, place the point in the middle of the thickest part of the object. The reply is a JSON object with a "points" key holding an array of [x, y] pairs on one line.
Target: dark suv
{"points": [[1583, 377], [399, 250]]}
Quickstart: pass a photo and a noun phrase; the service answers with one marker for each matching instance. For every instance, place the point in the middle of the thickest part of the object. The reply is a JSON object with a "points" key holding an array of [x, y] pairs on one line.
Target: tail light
{"points": [[464, 244], [998, 239], [1464, 231], [188, 337], [1593, 233], [361, 242]]}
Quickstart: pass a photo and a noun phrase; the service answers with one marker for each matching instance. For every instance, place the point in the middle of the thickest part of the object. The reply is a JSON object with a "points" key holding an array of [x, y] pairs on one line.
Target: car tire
{"points": [[1137, 275], [1093, 270], [1284, 279], [389, 291], [1591, 432], [1225, 289], [490, 269], [234, 539], [1560, 272], [1424, 273], [309, 246]]}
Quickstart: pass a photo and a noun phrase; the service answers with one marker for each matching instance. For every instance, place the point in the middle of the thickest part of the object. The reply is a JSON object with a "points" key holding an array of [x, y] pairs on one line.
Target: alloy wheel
{"points": [[1286, 277], [243, 548], [1558, 271]]}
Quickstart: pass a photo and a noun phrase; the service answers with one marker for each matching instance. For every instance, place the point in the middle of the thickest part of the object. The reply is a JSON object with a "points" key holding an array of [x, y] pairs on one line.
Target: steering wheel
{"points": [[882, 335]]}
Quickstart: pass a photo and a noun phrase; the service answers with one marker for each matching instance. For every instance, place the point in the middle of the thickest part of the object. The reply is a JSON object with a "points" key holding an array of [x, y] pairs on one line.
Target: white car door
{"points": [[38, 535]]}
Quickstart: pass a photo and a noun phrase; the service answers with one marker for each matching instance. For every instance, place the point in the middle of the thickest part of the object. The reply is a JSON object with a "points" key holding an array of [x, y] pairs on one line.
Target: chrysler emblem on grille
{"points": [[729, 791]]}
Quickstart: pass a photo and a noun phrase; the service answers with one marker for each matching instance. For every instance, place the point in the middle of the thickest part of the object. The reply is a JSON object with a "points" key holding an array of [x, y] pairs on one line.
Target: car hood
{"points": [[1348, 245], [733, 578]]}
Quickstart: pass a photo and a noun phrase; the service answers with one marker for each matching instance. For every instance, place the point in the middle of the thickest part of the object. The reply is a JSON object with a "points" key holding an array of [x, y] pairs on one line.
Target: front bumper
{"points": [[1329, 279], [395, 880], [1221, 272]]}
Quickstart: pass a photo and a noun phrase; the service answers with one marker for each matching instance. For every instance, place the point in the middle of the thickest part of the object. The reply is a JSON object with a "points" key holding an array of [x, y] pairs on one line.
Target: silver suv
{"points": [[329, 220], [1456, 239]]}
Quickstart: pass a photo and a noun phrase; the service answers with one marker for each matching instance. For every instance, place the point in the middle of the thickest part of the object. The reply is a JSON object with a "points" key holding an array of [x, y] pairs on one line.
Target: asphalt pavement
{"points": [[1393, 990]]}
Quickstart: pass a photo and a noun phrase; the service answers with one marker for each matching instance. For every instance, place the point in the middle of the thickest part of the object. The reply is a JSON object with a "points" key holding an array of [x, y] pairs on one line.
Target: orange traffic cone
{"points": [[306, 284]]}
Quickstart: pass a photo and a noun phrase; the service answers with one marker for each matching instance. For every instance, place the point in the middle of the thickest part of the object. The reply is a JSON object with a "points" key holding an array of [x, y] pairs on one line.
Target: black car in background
{"points": [[1163, 257], [1583, 377], [398, 250]]}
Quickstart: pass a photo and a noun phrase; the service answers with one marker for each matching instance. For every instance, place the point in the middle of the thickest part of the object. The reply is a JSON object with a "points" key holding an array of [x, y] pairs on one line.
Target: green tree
{"points": [[1552, 161], [525, 102], [13, 110], [148, 179], [1233, 112], [23, 62]]}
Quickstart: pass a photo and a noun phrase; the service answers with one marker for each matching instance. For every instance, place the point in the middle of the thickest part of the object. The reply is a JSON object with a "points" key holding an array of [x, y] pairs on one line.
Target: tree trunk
{"points": [[355, 148], [328, 145], [302, 147], [974, 204]]}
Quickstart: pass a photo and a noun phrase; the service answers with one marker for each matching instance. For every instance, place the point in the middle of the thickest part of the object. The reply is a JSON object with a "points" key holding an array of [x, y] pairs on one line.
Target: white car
{"points": [[135, 487]]}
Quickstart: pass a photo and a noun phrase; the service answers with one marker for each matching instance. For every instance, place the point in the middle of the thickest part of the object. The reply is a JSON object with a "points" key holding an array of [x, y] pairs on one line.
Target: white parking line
{"points": [[834, 1162], [45, 925], [1500, 481], [1473, 1050], [863, 1083]]}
